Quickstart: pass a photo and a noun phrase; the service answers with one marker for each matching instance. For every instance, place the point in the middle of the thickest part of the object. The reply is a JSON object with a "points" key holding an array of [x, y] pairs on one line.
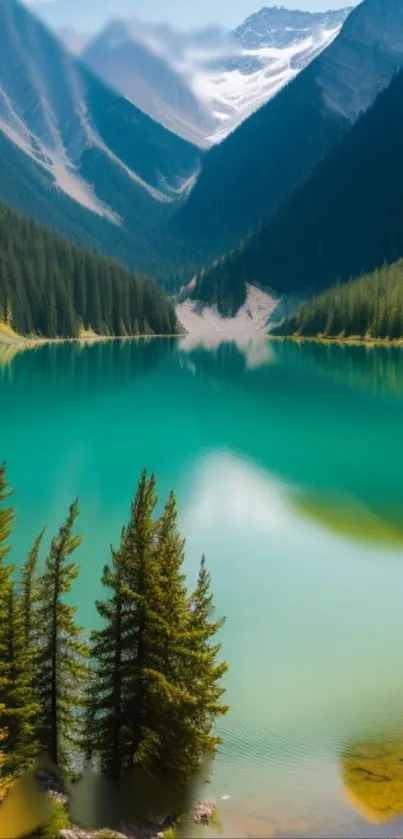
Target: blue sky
{"points": [[183, 14]]}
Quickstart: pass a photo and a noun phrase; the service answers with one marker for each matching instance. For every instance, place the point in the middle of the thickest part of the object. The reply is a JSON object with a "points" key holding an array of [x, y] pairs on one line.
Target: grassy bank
{"points": [[8, 337], [350, 341]]}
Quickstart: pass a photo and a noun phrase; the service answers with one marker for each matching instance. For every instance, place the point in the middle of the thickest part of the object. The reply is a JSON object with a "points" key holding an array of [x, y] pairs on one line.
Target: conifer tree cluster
{"points": [[146, 691], [368, 307], [156, 684], [52, 287]]}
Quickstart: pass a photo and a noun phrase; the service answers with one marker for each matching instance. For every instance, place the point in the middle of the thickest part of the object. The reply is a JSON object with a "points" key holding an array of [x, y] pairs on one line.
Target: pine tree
{"points": [[156, 681], [22, 708], [105, 725], [62, 663], [171, 702], [29, 591], [6, 524], [4, 778], [207, 673], [138, 570]]}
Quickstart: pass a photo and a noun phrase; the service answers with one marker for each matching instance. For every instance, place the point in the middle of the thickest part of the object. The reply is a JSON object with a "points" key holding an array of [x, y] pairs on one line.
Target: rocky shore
{"points": [[53, 784]]}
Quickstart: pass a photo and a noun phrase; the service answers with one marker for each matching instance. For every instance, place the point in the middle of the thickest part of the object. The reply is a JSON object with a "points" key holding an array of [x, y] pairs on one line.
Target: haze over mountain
{"points": [[68, 143], [121, 56], [203, 84], [246, 177]]}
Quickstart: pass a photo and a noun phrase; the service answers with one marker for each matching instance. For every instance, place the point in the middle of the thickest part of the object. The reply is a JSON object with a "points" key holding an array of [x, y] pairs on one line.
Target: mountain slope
{"points": [[275, 45], [145, 78], [345, 219], [79, 140], [246, 177], [369, 307], [203, 84], [51, 287]]}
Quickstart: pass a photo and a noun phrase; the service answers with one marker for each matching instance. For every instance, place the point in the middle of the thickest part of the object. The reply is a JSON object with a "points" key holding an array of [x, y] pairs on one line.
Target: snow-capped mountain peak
{"points": [[276, 44], [203, 84]]}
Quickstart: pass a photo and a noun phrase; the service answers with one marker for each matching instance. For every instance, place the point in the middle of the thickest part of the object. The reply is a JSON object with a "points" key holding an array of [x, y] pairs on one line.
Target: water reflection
{"points": [[291, 481], [257, 352], [377, 370]]}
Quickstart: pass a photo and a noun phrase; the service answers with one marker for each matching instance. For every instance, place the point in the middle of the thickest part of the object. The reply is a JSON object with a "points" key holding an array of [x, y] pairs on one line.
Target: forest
{"points": [[143, 690], [368, 307], [51, 287]]}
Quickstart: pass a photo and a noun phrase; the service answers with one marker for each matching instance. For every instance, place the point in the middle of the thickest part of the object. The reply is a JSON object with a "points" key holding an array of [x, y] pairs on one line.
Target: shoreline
{"points": [[370, 343], [21, 341]]}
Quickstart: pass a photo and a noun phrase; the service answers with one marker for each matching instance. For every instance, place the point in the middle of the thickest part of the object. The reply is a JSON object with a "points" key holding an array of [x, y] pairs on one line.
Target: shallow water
{"points": [[287, 463]]}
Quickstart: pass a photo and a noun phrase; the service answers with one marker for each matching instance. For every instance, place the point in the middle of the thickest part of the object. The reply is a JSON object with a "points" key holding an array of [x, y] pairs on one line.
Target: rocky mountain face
{"points": [[247, 176], [345, 220]]}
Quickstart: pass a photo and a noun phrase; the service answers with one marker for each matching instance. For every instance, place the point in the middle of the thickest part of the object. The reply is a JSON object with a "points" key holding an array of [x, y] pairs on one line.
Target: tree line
{"points": [[370, 306], [144, 690], [53, 288]]}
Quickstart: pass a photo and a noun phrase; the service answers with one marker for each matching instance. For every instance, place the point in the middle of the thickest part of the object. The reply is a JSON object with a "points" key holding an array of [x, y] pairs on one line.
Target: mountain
{"points": [[247, 176], [85, 156], [146, 78], [344, 220], [274, 45], [203, 84], [72, 39], [52, 287]]}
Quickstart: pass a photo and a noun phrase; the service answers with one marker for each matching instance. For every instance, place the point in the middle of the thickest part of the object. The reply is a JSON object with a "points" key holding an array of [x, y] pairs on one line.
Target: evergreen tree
{"points": [[22, 708], [29, 592], [207, 672], [62, 661], [6, 523], [105, 724], [138, 572], [4, 778], [154, 666]]}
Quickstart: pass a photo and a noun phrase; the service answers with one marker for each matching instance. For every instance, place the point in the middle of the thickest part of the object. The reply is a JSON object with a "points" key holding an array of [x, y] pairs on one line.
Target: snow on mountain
{"points": [[77, 130], [276, 44], [139, 71], [203, 84]]}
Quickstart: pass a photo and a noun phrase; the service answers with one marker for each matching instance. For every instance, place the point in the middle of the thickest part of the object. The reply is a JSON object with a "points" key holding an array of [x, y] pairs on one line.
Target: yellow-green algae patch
{"points": [[372, 775], [351, 520]]}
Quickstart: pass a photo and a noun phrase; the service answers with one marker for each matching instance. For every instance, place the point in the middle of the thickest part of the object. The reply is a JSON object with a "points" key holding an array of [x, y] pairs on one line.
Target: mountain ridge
{"points": [[77, 156], [214, 78], [343, 221], [245, 178]]}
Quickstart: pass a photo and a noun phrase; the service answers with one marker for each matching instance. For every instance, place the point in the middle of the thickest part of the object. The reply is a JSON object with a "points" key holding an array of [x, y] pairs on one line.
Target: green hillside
{"points": [[369, 307], [54, 288]]}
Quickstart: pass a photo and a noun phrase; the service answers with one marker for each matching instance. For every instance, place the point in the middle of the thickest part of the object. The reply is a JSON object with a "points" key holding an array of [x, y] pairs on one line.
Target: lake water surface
{"points": [[287, 462]]}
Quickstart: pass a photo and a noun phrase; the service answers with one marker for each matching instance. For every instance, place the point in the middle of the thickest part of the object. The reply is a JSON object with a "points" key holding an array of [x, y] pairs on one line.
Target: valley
{"points": [[201, 338]]}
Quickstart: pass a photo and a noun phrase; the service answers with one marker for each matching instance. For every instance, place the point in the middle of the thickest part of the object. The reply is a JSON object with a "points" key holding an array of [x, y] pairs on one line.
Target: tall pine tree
{"points": [[207, 672], [22, 707], [6, 524], [156, 687], [105, 724], [62, 663]]}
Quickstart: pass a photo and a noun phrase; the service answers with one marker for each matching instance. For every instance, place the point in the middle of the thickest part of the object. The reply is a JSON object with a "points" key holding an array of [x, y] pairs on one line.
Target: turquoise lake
{"points": [[287, 463]]}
